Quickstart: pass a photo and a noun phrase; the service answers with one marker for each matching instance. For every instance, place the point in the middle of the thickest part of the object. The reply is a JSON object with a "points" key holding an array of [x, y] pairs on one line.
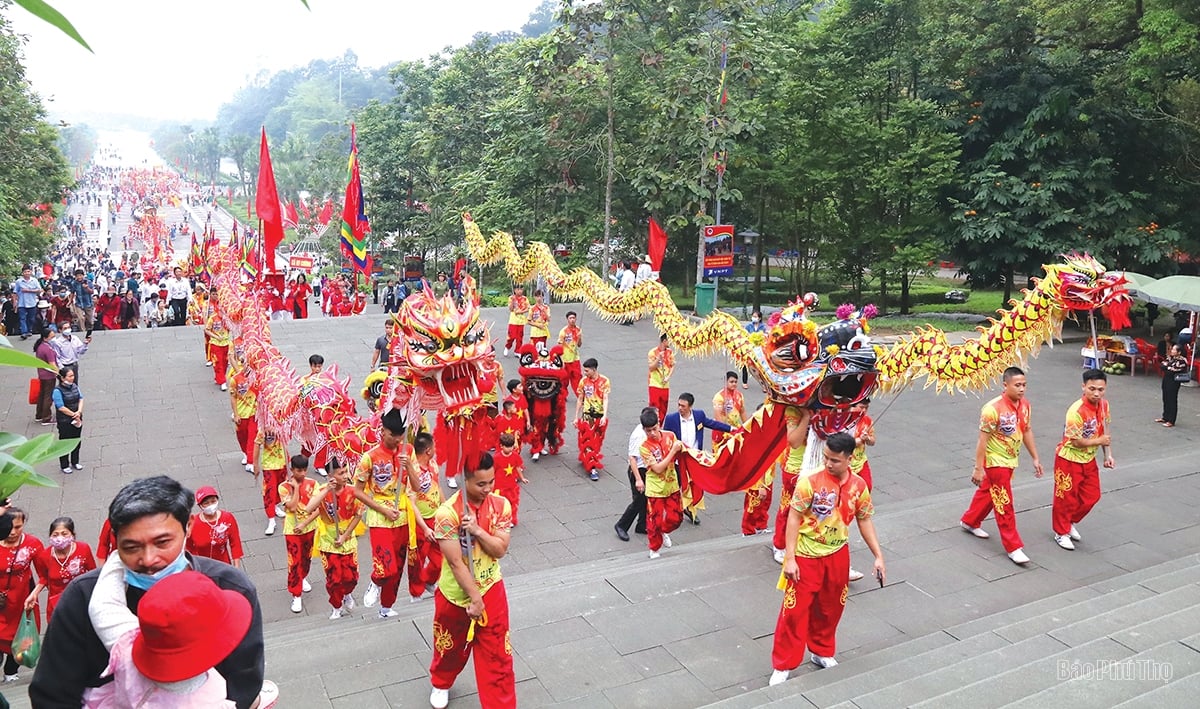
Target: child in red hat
{"points": [[164, 656]]}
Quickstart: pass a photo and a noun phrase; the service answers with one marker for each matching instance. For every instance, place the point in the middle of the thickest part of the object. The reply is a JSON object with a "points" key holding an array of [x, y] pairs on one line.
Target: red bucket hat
{"points": [[188, 625]]}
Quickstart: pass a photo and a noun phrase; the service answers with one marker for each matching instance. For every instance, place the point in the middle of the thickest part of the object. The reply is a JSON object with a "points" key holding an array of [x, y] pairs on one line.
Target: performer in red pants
{"points": [[664, 504], [1003, 427], [470, 614], [296, 492], [1076, 475], [425, 562], [814, 573], [591, 417], [792, 460]]}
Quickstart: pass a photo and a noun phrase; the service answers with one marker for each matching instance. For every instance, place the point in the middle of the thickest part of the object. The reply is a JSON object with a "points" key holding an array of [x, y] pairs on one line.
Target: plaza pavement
{"points": [[596, 623]]}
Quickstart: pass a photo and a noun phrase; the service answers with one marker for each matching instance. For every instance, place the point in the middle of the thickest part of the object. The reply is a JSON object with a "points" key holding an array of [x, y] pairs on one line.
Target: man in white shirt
{"points": [[626, 284], [178, 291], [644, 271], [637, 484]]}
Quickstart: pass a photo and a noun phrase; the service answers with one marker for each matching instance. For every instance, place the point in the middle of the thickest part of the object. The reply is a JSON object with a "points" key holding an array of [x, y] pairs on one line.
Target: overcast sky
{"points": [[175, 59]]}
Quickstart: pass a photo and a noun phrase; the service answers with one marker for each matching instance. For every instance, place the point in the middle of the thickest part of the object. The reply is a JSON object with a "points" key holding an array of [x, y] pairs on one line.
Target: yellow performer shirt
{"points": [[493, 515]]}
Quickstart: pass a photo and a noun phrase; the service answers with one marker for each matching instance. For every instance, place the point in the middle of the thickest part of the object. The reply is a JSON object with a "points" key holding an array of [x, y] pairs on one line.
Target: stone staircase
{"points": [[1136, 644]]}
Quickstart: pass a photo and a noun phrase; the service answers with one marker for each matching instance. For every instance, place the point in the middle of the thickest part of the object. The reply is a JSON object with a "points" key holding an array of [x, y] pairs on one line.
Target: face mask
{"points": [[145, 581], [66, 332], [61, 543], [209, 509]]}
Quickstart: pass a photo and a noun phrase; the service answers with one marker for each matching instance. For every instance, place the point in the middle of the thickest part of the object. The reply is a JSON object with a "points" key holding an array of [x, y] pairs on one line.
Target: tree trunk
{"points": [[1008, 282], [905, 282]]}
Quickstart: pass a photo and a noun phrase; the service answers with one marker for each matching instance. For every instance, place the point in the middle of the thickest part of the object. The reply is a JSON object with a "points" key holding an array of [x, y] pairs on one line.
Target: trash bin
{"points": [[706, 298]]}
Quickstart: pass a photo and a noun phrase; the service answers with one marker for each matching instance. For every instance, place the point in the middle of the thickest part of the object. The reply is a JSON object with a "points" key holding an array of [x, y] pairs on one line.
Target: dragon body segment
{"points": [[823, 369]]}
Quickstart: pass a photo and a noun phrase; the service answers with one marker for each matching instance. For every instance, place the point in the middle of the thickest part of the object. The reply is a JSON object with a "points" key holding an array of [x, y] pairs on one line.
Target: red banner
{"points": [[718, 250], [304, 263]]}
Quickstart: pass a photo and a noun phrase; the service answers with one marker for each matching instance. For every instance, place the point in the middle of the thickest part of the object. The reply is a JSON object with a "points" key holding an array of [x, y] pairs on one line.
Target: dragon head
{"points": [[447, 350], [1082, 285], [542, 371]]}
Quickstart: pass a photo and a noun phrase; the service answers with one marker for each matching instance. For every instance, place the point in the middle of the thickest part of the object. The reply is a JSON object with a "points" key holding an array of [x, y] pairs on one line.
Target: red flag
{"points": [[267, 203], [304, 208], [291, 218], [658, 245], [326, 213], [355, 226]]}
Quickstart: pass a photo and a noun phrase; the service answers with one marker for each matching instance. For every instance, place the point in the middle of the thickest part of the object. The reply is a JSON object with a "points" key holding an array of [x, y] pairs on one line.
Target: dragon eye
{"points": [[526, 359], [426, 344]]}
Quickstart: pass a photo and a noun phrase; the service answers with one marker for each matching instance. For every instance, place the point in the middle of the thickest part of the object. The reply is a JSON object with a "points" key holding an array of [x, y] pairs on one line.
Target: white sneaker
{"points": [[855, 575], [306, 586], [67, 470], [974, 531], [779, 556], [79, 466], [654, 555], [372, 597], [224, 387], [280, 512], [1073, 534], [1018, 556], [667, 540], [348, 602], [439, 698], [778, 677], [249, 468], [208, 364], [244, 459], [270, 527], [505, 354], [297, 604], [1064, 541], [337, 613], [322, 473], [823, 662], [268, 696], [387, 613], [452, 482], [536, 456]]}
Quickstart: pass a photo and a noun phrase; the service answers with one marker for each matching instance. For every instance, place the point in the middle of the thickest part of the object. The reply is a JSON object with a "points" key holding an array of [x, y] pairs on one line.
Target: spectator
{"points": [[45, 352], [58, 564], [214, 532], [17, 551], [29, 291], [68, 348], [68, 408]]}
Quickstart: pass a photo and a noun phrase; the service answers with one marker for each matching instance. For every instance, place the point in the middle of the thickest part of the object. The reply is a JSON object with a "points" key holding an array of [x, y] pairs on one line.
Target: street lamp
{"points": [[748, 237]]}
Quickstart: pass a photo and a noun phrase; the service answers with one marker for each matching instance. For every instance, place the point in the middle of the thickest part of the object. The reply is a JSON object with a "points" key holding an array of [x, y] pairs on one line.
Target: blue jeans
{"points": [[28, 319]]}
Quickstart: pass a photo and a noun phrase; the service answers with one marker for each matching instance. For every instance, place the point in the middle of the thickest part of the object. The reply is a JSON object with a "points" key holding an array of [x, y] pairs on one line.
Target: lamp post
{"points": [[748, 237]]}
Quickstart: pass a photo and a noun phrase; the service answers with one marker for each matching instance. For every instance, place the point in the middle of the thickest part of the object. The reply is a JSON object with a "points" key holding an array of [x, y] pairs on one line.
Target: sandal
{"points": [[1160, 420], [1168, 424]]}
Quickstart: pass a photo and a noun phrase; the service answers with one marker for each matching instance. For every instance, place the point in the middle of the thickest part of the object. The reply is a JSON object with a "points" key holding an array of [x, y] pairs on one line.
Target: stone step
{"points": [[903, 660], [1081, 685], [1065, 643], [1179, 692]]}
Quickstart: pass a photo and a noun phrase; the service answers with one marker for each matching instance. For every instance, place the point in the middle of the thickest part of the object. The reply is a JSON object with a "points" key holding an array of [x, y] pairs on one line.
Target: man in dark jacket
{"points": [[149, 518], [688, 425]]}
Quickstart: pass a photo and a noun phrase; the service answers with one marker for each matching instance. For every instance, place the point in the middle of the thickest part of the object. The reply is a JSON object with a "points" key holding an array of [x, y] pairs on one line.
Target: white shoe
{"points": [[1018, 556], [452, 482], [387, 613], [372, 597], [654, 555], [778, 677], [667, 540], [208, 364], [297, 604], [306, 586], [249, 468], [974, 531], [280, 512], [439, 698], [270, 527], [337, 613], [244, 459], [348, 602], [779, 556], [322, 473], [536, 456], [823, 662], [1073, 534], [855, 575], [505, 351], [224, 387], [1064, 541], [67, 470], [268, 695], [79, 466]]}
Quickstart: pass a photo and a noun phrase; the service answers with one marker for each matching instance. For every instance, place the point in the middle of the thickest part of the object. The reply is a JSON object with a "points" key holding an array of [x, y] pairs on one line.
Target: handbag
{"points": [[35, 391], [1183, 377], [27, 643]]}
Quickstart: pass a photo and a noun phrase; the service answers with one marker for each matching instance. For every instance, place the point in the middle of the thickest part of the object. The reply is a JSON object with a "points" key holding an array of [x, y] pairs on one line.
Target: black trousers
{"points": [[179, 311], [637, 508], [68, 431], [1170, 396]]}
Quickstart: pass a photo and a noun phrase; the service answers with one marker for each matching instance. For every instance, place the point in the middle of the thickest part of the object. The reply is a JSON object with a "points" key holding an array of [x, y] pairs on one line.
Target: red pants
{"points": [[786, 488], [516, 336], [574, 374], [247, 431], [513, 495], [995, 494], [271, 480], [319, 460], [424, 564], [811, 609], [220, 360], [539, 342], [341, 576], [663, 515], [389, 554], [591, 443], [756, 511], [1076, 492], [299, 555], [493, 653], [865, 474], [660, 399]]}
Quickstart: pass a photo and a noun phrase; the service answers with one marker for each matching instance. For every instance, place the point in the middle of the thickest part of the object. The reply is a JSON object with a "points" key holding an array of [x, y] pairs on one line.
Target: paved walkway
{"points": [[595, 622]]}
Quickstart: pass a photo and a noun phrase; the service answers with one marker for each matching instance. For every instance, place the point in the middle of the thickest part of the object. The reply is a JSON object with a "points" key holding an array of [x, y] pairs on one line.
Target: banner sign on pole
{"points": [[718, 251], [304, 263]]}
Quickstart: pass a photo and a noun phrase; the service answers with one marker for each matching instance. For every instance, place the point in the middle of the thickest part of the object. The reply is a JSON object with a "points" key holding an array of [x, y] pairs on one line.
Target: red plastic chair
{"points": [[1148, 353]]}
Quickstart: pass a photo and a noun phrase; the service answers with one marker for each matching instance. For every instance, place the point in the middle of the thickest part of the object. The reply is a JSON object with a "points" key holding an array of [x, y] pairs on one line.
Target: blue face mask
{"points": [[145, 581]]}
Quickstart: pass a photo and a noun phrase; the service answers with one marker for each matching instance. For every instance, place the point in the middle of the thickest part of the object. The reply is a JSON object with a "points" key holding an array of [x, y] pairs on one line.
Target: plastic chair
{"points": [[1148, 353]]}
